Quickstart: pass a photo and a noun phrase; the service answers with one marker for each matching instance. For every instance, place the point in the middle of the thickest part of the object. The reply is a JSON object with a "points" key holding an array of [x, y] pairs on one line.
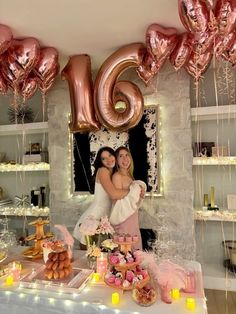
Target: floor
{"points": [[220, 302]]}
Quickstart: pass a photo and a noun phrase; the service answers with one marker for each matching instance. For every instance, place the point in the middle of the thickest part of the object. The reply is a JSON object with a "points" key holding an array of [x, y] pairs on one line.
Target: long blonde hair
{"points": [[131, 167]]}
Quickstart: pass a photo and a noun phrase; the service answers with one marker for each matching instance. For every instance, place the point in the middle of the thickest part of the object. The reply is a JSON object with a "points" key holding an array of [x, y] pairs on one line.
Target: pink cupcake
{"points": [[112, 279], [128, 238], [144, 273], [121, 238], [116, 237], [129, 275], [114, 259], [135, 238]]}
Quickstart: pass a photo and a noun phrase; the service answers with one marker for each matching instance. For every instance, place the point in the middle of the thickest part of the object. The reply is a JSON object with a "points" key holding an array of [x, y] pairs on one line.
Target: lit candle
{"points": [[102, 264], [190, 304], [115, 298], [212, 196], [9, 280], [96, 277], [205, 199], [15, 271], [175, 294]]}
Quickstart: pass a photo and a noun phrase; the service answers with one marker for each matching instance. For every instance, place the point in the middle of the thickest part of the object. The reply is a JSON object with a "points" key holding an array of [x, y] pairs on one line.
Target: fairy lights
{"points": [[39, 166], [214, 215], [21, 211], [214, 161]]}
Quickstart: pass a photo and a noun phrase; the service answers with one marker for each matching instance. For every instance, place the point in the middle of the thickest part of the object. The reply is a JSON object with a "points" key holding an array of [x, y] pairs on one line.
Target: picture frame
{"points": [[35, 148], [203, 149]]}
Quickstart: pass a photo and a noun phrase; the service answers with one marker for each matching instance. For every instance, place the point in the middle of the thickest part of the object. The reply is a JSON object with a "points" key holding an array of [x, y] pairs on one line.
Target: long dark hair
{"points": [[98, 160]]}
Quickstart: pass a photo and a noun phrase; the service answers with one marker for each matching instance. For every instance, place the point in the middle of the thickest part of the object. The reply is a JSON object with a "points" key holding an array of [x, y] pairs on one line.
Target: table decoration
{"points": [[74, 283], [115, 298], [190, 303], [102, 264], [175, 294], [9, 280], [38, 237], [124, 267], [145, 296]]}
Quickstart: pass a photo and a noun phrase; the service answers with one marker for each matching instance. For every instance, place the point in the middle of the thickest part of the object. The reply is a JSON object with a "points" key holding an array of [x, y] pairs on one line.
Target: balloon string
{"points": [[80, 158], [43, 110]]}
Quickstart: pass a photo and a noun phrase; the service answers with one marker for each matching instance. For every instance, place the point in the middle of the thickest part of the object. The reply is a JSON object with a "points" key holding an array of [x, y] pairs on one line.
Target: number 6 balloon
{"points": [[108, 91]]}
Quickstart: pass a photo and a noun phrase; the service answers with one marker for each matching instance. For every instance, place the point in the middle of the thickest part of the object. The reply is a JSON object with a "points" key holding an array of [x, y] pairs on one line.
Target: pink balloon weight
{"points": [[160, 41], [194, 15], [198, 64], [5, 38], [225, 13], [180, 55]]}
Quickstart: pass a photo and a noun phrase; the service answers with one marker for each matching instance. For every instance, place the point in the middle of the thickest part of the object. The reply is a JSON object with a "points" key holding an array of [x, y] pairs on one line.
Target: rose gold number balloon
{"points": [[108, 91], [77, 72]]}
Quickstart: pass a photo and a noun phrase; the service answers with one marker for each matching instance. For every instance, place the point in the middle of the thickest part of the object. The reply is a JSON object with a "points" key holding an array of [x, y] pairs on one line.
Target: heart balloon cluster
{"points": [[25, 66]]}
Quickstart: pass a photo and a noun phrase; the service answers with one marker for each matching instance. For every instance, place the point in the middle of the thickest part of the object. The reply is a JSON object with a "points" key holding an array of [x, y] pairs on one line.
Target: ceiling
{"points": [[95, 27]]}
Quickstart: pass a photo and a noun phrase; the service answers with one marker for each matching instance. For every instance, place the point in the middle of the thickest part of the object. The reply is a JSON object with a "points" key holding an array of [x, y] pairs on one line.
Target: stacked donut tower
{"points": [[58, 265], [125, 271]]}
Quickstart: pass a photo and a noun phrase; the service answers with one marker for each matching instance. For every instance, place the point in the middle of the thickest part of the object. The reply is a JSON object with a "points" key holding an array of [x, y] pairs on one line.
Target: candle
{"points": [[96, 277], [205, 199], [190, 282], [212, 196], [190, 304], [15, 271], [102, 264], [9, 280], [115, 298], [175, 294]]}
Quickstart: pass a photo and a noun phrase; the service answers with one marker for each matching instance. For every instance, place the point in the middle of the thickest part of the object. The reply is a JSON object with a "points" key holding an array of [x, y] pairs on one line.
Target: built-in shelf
{"points": [[213, 113], [218, 215], [216, 276], [41, 166], [28, 128], [214, 161], [19, 211]]}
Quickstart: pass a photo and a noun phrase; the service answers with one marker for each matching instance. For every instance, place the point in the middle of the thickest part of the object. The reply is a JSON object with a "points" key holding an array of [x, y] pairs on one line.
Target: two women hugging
{"points": [[116, 194]]}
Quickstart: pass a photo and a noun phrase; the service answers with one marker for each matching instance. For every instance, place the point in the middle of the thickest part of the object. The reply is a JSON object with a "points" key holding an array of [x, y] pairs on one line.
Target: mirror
{"points": [[142, 141]]}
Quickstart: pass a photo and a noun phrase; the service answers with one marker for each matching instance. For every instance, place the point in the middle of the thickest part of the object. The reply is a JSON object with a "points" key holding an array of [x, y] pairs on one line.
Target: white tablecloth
{"points": [[94, 298]]}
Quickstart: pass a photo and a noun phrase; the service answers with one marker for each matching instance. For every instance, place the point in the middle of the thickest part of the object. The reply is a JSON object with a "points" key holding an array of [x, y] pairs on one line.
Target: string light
{"points": [[214, 161], [39, 166], [21, 211], [215, 215]]}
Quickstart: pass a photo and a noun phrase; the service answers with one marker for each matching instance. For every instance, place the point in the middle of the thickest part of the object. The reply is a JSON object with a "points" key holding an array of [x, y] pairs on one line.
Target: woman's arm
{"points": [[104, 178]]}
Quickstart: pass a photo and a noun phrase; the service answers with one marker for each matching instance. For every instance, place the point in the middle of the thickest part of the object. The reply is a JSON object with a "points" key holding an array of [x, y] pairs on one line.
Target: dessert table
{"points": [[91, 298]]}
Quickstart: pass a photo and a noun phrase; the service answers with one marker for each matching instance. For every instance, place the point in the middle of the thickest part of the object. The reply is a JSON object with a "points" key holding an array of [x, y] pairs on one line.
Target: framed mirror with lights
{"points": [[142, 141]]}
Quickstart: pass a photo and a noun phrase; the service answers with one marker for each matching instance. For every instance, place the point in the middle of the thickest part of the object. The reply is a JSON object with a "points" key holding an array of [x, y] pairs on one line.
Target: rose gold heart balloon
{"points": [[198, 64], [12, 72], [230, 54], [147, 69], [194, 15], [223, 43], [5, 38], [47, 67], [180, 55], [160, 41], [29, 87], [3, 85], [225, 13], [203, 42], [25, 52]]}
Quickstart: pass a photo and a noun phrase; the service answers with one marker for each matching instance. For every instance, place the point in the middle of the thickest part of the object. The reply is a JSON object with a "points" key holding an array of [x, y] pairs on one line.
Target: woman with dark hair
{"points": [[124, 214], [104, 191]]}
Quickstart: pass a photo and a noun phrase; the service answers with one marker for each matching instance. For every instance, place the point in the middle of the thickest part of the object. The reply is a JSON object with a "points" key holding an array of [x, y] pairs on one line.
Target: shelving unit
{"points": [[17, 178], [212, 227]]}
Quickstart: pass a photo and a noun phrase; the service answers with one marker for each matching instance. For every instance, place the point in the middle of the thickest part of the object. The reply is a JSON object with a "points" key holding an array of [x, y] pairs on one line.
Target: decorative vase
{"points": [[92, 262]]}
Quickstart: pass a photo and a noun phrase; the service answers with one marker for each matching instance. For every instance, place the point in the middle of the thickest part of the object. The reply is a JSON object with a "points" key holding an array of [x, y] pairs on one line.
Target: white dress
{"points": [[99, 208]]}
